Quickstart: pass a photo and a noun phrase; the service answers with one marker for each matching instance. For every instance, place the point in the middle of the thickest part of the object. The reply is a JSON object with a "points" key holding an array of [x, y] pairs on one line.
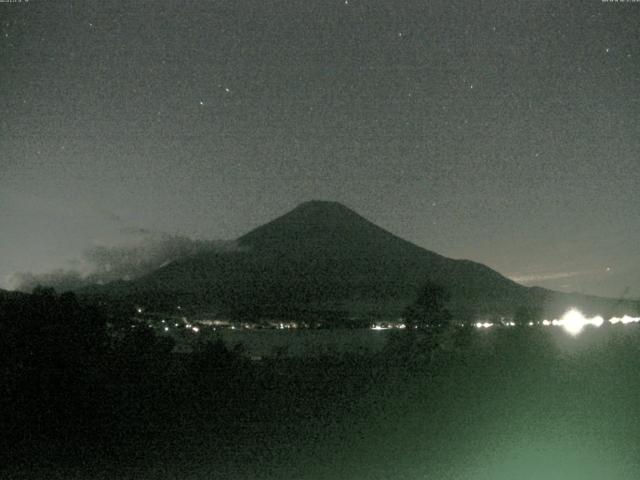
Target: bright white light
{"points": [[484, 325], [166, 329], [627, 319], [624, 320], [573, 321], [195, 329], [378, 327]]}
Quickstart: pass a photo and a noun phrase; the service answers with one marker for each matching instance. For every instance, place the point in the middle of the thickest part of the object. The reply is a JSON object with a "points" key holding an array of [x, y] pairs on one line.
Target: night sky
{"points": [[506, 132]]}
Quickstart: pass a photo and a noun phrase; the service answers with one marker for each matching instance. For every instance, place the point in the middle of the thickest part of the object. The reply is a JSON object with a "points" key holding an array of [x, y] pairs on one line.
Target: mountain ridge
{"points": [[324, 258]]}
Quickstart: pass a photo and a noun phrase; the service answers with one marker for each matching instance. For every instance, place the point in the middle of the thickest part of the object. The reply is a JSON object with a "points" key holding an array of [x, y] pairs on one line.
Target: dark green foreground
{"points": [[518, 403]]}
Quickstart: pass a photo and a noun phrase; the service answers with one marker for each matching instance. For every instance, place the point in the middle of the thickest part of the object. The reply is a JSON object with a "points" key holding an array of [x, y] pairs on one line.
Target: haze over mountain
{"points": [[323, 259]]}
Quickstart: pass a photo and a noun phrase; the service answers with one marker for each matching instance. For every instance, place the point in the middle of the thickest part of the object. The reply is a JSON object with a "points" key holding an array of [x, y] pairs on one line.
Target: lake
{"points": [[262, 343]]}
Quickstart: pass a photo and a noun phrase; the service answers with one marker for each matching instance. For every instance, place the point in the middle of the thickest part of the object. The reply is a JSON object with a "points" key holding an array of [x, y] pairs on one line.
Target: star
{"points": [[607, 50]]}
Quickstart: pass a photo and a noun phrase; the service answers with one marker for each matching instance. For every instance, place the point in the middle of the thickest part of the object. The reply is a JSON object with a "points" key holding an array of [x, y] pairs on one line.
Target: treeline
{"points": [[68, 376], [72, 380]]}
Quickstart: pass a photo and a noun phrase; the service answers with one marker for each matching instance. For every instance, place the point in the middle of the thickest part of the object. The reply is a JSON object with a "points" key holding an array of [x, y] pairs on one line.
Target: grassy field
{"points": [[526, 404]]}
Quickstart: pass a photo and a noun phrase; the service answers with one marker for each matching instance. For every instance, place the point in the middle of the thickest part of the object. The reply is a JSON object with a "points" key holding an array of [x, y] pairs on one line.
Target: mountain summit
{"points": [[310, 221], [323, 259], [326, 228]]}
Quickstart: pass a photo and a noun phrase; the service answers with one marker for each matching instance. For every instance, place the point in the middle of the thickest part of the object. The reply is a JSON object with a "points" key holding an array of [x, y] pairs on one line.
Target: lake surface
{"points": [[302, 342]]}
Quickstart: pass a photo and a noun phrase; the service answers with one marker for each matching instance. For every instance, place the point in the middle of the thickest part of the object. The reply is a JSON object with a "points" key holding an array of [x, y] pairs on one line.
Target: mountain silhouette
{"points": [[323, 259]]}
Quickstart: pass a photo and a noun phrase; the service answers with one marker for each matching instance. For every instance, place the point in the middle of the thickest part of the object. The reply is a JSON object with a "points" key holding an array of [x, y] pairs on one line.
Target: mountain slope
{"points": [[324, 259]]}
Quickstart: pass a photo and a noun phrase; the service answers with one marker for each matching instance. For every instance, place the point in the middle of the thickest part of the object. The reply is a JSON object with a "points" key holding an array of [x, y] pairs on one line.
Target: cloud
{"points": [[101, 264], [60, 279], [541, 277]]}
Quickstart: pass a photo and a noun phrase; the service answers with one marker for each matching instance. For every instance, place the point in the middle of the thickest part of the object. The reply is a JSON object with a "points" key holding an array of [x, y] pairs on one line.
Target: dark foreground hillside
{"points": [[520, 403]]}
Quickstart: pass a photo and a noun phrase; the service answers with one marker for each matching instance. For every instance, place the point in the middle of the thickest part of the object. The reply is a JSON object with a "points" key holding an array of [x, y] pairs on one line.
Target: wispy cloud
{"points": [[101, 264], [542, 277]]}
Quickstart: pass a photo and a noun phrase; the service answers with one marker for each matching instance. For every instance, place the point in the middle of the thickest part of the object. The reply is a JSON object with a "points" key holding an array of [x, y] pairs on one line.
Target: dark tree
{"points": [[51, 352], [525, 314], [429, 309]]}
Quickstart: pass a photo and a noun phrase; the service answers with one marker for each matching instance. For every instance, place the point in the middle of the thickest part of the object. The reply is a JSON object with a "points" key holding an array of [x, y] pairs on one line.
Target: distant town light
{"points": [[573, 321], [624, 320], [378, 327], [484, 325]]}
